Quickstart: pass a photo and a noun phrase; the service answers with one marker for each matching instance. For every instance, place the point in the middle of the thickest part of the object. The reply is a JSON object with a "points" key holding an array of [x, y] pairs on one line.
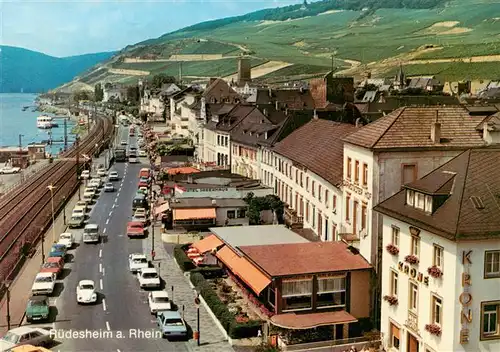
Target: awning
{"points": [[207, 244], [191, 214], [245, 270], [312, 320], [162, 208]]}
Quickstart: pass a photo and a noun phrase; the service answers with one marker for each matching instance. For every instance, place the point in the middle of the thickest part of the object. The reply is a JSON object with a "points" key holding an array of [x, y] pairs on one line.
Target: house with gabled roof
{"points": [[441, 258]]}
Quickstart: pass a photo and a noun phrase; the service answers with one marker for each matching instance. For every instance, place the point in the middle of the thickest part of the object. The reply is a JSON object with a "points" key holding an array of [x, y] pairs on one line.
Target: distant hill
{"points": [[453, 39], [33, 72]]}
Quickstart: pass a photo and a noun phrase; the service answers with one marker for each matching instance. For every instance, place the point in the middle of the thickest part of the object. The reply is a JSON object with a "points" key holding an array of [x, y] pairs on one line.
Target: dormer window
{"points": [[419, 200]]}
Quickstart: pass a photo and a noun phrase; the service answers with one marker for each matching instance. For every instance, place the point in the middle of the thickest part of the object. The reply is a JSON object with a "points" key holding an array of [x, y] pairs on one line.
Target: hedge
{"points": [[210, 272], [226, 318], [182, 259]]}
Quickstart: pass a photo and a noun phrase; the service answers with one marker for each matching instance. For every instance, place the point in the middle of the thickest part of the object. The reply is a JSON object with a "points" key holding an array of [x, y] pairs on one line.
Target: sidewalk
{"points": [[20, 289], [212, 339]]}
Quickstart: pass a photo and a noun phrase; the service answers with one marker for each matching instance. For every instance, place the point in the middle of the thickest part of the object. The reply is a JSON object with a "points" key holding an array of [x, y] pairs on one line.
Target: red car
{"points": [[135, 229], [143, 184], [53, 265]]}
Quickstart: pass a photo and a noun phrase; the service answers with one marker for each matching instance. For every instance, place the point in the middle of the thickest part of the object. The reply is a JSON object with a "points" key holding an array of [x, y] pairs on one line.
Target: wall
{"points": [[360, 292], [245, 161], [209, 142], [230, 192], [222, 216]]}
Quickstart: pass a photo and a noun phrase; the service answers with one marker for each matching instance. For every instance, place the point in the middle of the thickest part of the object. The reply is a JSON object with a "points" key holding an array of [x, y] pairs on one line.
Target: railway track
{"points": [[26, 211]]}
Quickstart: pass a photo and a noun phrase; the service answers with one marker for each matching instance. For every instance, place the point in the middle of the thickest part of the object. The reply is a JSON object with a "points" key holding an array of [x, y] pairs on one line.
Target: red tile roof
{"points": [[410, 127], [319, 147], [304, 258], [477, 174], [311, 320]]}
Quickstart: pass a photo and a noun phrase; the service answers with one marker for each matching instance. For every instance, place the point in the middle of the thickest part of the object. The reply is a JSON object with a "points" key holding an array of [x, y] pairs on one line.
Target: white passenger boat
{"points": [[44, 122]]}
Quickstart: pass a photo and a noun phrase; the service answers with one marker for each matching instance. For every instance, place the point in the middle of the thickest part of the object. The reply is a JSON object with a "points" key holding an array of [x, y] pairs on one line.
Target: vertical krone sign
{"points": [[465, 298]]}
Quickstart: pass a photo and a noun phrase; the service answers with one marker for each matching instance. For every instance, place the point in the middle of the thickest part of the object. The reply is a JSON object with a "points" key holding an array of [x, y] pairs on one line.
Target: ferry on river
{"points": [[45, 122]]}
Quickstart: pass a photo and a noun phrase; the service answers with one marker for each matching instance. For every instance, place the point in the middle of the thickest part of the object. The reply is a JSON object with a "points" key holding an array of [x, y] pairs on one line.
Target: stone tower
{"points": [[244, 71]]}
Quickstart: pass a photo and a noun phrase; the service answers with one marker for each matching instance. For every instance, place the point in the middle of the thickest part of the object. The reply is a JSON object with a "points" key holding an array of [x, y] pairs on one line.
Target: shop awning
{"points": [[245, 270], [162, 208], [312, 320], [207, 244], [192, 214]]}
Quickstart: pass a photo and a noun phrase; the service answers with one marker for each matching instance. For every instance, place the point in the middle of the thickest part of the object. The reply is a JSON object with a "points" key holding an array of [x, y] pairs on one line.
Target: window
{"points": [[349, 166], [438, 256], [313, 217], [327, 197], [394, 283], [231, 214], [334, 203], [218, 140], [413, 297], [492, 264], [307, 211], [437, 310], [419, 201], [347, 207], [301, 179], [409, 173], [242, 213], [489, 320], [394, 330], [365, 174], [297, 294], [307, 183], [356, 171], [395, 236], [313, 190], [428, 204], [319, 192], [331, 292], [296, 176], [415, 246], [364, 213], [410, 196]]}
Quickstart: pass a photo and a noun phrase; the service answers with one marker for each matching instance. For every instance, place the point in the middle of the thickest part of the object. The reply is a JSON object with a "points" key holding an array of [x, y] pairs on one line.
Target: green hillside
{"points": [[355, 36]]}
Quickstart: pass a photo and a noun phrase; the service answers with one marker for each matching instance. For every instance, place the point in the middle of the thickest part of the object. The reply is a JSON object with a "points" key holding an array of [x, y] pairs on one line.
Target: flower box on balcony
{"points": [[433, 329], [392, 300], [392, 249], [411, 259], [435, 272]]}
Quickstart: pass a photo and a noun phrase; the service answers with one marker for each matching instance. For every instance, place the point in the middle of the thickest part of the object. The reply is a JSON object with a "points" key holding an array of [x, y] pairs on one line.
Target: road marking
{"points": [[104, 304], [100, 253], [116, 200], [100, 267], [107, 326], [103, 271], [100, 283], [119, 189], [107, 221], [118, 194], [110, 213], [104, 231]]}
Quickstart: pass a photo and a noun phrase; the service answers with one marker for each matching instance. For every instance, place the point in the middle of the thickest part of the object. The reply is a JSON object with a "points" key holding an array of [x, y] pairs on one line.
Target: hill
{"points": [[31, 71], [456, 39]]}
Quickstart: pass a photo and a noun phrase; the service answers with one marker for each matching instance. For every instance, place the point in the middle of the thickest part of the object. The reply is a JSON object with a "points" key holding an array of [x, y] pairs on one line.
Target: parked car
{"points": [[142, 153], [26, 335], [9, 170], [78, 210], [158, 301], [148, 278], [113, 176], [85, 292], [44, 284], [85, 175], [57, 250], [38, 308], [171, 324], [135, 229], [66, 239], [143, 183], [102, 171], [137, 261], [97, 182], [83, 204], [53, 265], [76, 221], [108, 187], [123, 142]]}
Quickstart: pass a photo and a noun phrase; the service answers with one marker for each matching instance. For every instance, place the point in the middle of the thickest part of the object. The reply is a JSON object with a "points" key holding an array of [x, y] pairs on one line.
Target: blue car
{"points": [[171, 324], [58, 250]]}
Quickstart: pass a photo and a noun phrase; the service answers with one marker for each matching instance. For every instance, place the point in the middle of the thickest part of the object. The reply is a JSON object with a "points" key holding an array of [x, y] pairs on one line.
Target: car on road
{"points": [[91, 233], [43, 284], [148, 278], [53, 265], [108, 187], [83, 204], [85, 292], [66, 239], [135, 229], [9, 170], [145, 179], [101, 172], [132, 158], [142, 183], [123, 142], [137, 261], [85, 175], [25, 335], [76, 221], [38, 308], [141, 211], [57, 250], [113, 176], [142, 153], [158, 301], [171, 324]]}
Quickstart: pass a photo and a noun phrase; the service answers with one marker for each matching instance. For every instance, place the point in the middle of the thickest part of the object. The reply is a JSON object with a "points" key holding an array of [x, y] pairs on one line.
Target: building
{"points": [[441, 262], [244, 71], [305, 170], [114, 92]]}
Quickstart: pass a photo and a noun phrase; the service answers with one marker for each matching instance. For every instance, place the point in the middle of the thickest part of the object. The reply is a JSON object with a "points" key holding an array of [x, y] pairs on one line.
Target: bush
{"points": [[209, 272], [226, 318], [182, 259]]}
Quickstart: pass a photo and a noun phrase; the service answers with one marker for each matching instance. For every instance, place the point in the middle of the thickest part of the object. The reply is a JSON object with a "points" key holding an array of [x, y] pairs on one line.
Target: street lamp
{"points": [[64, 210], [197, 303], [51, 187], [43, 244], [7, 286]]}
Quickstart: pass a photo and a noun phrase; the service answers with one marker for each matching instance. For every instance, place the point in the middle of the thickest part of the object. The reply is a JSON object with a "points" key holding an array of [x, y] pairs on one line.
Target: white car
{"points": [[158, 300], [137, 262], [85, 174], [142, 153], [85, 292], [148, 278], [25, 335], [9, 170], [88, 196], [101, 172], [82, 204], [123, 142], [97, 182], [78, 211], [91, 233], [113, 176], [66, 238], [44, 284], [108, 187]]}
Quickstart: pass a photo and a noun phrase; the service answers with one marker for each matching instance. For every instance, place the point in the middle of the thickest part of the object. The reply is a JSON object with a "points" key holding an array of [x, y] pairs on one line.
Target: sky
{"points": [[74, 27]]}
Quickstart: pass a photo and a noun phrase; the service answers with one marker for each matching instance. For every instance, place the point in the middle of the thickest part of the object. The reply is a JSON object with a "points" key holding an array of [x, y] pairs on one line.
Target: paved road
{"points": [[121, 318]]}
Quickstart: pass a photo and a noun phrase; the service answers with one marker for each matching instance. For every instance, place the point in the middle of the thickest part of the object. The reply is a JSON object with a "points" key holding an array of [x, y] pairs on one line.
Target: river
{"points": [[14, 121]]}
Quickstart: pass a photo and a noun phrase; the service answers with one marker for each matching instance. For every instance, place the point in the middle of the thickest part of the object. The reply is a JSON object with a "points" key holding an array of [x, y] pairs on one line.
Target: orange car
{"points": [[53, 265], [135, 229]]}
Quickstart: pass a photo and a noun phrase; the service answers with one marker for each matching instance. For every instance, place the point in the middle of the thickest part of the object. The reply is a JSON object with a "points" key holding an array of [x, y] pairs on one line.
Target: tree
{"points": [[133, 94], [81, 95], [160, 79], [98, 92], [257, 204]]}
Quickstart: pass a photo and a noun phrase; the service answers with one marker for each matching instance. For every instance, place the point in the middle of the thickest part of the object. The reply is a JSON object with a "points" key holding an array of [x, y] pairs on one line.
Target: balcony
{"points": [[293, 220]]}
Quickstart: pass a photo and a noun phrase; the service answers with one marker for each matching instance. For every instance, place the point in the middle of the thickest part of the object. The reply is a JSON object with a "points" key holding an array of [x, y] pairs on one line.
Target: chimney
{"points": [[264, 112], [270, 93], [358, 122], [436, 130], [315, 116], [277, 105], [214, 202], [190, 179]]}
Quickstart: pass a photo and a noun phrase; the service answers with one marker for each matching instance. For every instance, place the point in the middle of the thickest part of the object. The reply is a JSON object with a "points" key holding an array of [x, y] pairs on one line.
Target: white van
{"points": [[91, 233]]}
